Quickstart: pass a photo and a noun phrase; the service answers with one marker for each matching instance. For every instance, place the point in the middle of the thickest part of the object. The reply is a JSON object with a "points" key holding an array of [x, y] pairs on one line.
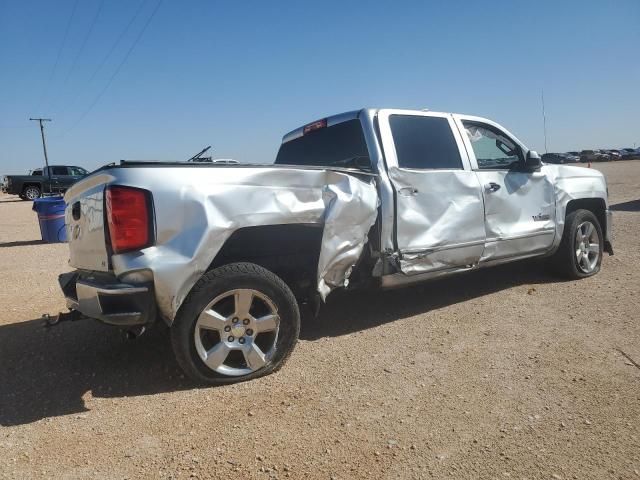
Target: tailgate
{"points": [[85, 220]]}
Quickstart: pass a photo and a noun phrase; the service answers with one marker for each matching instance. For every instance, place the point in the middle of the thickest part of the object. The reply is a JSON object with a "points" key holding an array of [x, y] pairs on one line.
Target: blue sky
{"points": [[238, 75]]}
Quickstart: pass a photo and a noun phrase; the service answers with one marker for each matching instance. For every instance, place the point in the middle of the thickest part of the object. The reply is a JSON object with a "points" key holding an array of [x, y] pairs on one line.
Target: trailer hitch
{"points": [[70, 316]]}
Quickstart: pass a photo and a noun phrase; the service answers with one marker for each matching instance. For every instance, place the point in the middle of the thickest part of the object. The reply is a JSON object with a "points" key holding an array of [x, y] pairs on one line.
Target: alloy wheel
{"points": [[32, 193], [236, 333], [587, 247]]}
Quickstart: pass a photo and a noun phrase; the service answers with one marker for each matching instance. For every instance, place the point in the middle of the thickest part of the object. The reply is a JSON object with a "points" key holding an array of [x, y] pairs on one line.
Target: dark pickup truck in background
{"points": [[52, 179]]}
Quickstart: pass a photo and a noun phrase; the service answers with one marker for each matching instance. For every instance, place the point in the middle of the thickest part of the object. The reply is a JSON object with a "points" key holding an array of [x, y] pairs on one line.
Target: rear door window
{"points": [[59, 171], [424, 142]]}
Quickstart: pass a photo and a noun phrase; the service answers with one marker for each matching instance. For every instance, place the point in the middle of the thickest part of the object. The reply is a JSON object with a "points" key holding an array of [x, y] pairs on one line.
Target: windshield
{"points": [[341, 145]]}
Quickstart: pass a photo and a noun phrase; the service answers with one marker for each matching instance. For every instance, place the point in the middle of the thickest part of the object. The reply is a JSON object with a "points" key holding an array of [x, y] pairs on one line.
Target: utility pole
{"points": [[544, 123], [44, 145]]}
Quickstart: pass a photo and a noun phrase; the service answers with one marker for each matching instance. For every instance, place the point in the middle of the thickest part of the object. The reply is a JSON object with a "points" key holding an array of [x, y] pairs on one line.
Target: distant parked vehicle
{"points": [[572, 157], [614, 154], [630, 153], [225, 161], [555, 158], [605, 156], [53, 179], [587, 156]]}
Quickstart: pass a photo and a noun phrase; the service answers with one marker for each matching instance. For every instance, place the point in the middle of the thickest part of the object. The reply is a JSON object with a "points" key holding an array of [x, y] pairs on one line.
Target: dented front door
{"points": [[519, 204]]}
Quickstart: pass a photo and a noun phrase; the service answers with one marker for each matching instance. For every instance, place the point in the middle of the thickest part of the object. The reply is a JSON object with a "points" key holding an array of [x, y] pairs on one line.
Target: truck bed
{"points": [[198, 206]]}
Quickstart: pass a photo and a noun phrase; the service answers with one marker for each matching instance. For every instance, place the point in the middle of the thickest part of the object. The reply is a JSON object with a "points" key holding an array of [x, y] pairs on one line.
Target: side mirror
{"points": [[532, 161]]}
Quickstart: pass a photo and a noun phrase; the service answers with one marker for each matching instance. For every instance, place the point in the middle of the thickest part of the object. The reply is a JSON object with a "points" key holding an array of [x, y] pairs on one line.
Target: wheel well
{"points": [[31, 184], [289, 251], [594, 205]]}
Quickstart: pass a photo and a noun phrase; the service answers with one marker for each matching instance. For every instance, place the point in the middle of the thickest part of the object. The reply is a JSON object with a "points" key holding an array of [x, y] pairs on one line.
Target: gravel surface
{"points": [[501, 373]]}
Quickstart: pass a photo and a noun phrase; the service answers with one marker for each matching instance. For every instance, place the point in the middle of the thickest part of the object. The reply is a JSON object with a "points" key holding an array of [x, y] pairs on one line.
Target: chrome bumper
{"points": [[104, 298]]}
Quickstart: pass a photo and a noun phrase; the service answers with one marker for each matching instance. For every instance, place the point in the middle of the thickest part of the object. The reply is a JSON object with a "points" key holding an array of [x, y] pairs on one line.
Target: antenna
{"points": [[544, 123], [199, 154]]}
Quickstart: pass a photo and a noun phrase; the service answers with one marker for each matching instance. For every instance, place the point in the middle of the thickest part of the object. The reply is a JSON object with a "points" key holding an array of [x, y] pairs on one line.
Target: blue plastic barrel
{"points": [[51, 218]]}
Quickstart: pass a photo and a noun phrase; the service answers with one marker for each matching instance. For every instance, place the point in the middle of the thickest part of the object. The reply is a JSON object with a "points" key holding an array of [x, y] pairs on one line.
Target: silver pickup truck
{"points": [[224, 254]]}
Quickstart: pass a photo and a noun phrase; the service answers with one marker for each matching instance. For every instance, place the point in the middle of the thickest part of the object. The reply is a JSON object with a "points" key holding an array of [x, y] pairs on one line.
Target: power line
{"points": [[55, 65], [84, 42], [115, 73], [107, 56]]}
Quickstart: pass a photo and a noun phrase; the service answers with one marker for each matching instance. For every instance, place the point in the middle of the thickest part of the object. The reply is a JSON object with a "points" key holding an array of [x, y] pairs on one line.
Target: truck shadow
{"points": [[348, 312], [22, 243], [48, 372], [630, 206]]}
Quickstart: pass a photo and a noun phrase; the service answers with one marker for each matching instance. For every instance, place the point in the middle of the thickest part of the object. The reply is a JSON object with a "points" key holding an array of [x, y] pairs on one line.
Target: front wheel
{"points": [[580, 251], [239, 322]]}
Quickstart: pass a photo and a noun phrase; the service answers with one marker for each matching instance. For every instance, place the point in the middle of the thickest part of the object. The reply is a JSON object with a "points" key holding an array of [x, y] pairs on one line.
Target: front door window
{"points": [[493, 149]]}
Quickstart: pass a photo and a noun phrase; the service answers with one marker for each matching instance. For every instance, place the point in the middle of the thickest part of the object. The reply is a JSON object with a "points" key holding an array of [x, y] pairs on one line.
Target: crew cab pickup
{"points": [[52, 179], [224, 254]]}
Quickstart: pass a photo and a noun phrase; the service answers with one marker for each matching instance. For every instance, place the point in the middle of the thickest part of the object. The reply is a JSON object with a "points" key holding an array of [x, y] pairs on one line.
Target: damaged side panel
{"points": [[194, 222], [351, 208], [572, 183], [440, 219]]}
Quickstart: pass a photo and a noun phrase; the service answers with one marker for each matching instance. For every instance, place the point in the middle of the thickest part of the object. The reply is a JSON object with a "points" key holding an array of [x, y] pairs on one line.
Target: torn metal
{"points": [[351, 208]]}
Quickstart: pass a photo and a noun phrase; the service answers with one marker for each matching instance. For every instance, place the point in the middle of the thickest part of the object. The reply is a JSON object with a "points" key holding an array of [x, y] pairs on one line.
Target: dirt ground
{"points": [[501, 373]]}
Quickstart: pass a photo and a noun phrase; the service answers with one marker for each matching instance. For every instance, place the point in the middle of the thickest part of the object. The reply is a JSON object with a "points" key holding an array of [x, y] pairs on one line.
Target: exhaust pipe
{"points": [[134, 333]]}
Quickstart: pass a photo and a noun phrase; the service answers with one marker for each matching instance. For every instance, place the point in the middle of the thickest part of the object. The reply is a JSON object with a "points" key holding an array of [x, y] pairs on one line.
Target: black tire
{"points": [[564, 261], [31, 192], [22, 197], [216, 283]]}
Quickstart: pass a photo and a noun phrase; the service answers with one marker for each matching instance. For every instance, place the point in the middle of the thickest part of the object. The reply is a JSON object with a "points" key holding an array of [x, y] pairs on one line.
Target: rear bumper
{"points": [[103, 297]]}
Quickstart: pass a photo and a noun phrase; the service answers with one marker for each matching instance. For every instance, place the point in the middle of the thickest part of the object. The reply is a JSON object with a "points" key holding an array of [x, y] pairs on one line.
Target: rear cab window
{"points": [[339, 145]]}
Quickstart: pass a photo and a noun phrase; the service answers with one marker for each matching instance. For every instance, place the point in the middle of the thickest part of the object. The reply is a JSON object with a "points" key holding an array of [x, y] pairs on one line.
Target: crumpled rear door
{"points": [[439, 206]]}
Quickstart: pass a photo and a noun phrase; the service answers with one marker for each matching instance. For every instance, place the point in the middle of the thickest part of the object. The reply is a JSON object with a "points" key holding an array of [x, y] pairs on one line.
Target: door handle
{"points": [[492, 187], [408, 191]]}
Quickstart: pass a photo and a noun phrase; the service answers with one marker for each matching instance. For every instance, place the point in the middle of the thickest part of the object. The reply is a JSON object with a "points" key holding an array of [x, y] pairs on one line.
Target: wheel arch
{"points": [[598, 207], [31, 184], [291, 251]]}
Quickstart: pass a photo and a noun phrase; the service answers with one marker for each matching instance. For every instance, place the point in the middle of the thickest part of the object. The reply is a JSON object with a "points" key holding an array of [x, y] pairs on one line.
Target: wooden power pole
{"points": [[44, 145]]}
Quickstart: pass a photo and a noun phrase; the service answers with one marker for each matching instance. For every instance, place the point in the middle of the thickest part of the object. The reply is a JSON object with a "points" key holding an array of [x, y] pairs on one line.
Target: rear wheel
{"points": [[31, 192], [239, 322], [580, 251]]}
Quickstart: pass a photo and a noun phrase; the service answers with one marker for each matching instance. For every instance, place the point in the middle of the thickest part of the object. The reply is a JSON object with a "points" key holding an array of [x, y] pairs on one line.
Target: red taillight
{"points": [[129, 218]]}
